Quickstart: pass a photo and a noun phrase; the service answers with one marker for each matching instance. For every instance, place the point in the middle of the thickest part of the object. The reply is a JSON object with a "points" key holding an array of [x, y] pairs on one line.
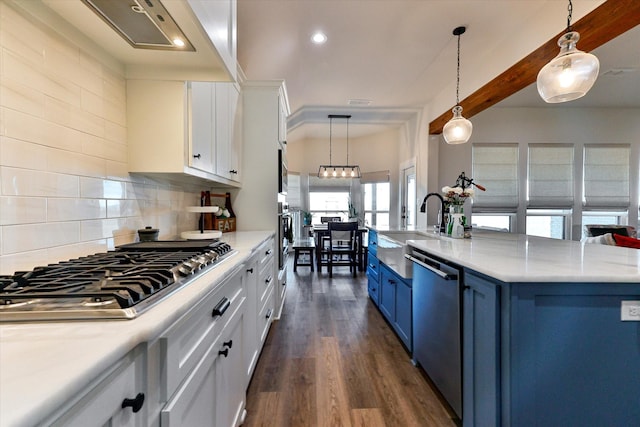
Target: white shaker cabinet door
{"points": [[202, 109], [194, 402]]}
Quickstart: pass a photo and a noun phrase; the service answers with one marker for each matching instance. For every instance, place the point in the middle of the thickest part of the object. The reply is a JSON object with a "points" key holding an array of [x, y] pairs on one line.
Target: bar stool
{"points": [[304, 247]]}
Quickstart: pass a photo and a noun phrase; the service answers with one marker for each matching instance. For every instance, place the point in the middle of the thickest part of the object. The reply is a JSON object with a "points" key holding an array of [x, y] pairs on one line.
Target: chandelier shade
{"points": [[458, 129], [571, 74], [338, 171]]}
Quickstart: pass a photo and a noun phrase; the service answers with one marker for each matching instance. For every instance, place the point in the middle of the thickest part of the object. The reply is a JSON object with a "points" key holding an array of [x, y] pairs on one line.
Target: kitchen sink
{"points": [[392, 246]]}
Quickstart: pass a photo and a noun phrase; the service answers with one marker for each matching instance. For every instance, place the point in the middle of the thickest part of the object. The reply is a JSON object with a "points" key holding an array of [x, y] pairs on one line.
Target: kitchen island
{"points": [[550, 329], [70, 372]]}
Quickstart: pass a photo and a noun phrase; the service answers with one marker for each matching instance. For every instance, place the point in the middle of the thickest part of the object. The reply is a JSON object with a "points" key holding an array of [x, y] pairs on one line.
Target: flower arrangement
{"points": [[456, 195]]}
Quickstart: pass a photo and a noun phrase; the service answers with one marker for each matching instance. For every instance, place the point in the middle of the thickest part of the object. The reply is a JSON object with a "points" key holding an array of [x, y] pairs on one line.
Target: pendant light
{"points": [[458, 129], [572, 73], [338, 171]]}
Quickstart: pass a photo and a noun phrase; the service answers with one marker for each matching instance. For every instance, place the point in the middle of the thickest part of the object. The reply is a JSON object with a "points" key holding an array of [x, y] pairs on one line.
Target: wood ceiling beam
{"points": [[601, 25]]}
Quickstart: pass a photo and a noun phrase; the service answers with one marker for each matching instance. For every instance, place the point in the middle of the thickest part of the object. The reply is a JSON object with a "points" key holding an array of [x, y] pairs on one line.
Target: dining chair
{"points": [[342, 249]]}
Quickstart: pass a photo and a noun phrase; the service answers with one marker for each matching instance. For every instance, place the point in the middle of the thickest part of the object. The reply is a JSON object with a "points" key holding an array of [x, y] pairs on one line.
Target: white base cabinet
{"points": [[117, 398], [260, 285]]}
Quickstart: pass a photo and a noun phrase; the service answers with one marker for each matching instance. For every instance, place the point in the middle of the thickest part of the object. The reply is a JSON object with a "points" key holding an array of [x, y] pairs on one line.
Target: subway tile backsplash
{"points": [[65, 190]]}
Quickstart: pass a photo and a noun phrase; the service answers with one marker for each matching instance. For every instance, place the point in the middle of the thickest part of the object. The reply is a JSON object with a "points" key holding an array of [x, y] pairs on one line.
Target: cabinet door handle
{"points": [[224, 352], [268, 252], [269, 312], [135, 404], [250, 270], [196, 156], [268, 280], [228, 343], [221, 307], [233, 171]]}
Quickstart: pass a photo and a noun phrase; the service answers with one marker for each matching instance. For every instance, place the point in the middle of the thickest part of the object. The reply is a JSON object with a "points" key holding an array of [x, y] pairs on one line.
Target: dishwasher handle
{"points": [[445, 276]]}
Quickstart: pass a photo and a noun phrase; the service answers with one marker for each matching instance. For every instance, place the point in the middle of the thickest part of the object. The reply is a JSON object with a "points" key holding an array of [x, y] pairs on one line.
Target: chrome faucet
{"points": [[423, 208]]}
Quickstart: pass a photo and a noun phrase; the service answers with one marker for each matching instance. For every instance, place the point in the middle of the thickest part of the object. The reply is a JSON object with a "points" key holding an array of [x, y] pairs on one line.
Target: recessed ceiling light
{"points": [[178, 42], [319, 37]]}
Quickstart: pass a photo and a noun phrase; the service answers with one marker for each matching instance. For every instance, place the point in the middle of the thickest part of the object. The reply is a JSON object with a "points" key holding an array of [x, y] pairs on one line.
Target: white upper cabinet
{"points": [[184, 130], [218, 18]]}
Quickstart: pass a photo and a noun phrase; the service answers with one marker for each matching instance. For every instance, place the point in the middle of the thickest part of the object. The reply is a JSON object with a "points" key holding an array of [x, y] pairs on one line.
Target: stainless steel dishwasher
{"points": [[437, 324]]}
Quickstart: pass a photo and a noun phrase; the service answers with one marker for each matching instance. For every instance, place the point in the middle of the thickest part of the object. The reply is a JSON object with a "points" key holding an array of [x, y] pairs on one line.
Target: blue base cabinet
{"points": [[481, 352], [573, 361], [549, 354], [395, 304], [373, 277]]}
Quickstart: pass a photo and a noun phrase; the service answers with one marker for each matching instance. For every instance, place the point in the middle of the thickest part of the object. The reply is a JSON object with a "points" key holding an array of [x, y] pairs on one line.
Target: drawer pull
{"points": [[135, 404], [197, 156], [233, 171], [224, 352], [228, 344], [268, 280], [221, 307], [268, 252], [269, 312], [250, 270]]}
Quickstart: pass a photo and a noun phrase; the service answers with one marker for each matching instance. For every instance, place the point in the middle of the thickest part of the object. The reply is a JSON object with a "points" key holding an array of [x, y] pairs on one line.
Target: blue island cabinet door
{"points": [[573, 360], [388, 284], [404, 320], [481, 353]]}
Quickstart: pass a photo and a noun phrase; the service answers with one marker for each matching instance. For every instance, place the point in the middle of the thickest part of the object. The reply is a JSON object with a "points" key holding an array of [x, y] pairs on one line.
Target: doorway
{"points": [[408, 205]]}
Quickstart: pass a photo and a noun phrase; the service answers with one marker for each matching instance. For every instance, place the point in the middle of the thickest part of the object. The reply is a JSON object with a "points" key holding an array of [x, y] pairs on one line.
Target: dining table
{"points": [[322, 230]]}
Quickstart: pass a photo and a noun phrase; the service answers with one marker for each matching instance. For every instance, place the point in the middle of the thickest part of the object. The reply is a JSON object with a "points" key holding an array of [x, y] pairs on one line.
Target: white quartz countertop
{"points": [[42, 365], [520, 258]]}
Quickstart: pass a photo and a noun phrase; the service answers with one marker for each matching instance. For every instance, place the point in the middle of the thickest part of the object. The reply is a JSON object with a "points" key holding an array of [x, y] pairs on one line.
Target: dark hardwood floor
{"points": [[332, 360]]}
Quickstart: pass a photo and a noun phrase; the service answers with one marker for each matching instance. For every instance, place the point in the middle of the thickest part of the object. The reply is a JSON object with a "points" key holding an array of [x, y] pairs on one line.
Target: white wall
{"points": [[64, 186], [372, 153], [576, 126]]}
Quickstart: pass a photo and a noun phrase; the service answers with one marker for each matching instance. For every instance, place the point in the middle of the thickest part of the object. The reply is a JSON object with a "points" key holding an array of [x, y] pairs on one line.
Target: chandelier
{"points": [[338, 171]]}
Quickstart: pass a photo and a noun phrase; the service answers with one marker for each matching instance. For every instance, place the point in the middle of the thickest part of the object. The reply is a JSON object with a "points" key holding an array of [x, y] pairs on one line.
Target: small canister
{"points": [[148, 234]]}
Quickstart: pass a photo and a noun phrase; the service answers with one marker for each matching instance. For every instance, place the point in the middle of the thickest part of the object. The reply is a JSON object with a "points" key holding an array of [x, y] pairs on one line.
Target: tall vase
{"points": [[455, 221]]}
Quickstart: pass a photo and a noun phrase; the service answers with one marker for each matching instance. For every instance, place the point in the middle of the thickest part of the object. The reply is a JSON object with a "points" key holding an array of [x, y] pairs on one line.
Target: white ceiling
{"points": [[401, 54]]}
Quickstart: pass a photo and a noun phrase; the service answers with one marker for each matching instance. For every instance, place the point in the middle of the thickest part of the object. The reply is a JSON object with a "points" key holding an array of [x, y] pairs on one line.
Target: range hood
{"points": [[144, 24]]}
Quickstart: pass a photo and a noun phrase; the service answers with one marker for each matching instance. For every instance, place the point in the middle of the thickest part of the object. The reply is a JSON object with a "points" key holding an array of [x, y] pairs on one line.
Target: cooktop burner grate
{"points": [[115, 284]]}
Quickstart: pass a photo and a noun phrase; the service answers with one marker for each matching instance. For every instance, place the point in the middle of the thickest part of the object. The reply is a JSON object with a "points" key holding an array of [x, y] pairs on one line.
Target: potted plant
{"points": [[306, 218]]}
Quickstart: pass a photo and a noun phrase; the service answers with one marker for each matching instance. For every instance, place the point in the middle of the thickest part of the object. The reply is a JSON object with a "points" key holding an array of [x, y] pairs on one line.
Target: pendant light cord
{"points": [[570, 10], [458, 75], [330, 137], [347, 141]]}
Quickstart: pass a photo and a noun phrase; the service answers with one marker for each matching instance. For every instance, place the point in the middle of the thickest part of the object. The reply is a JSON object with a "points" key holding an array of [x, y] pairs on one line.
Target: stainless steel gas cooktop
{"points": [[118, 284]]}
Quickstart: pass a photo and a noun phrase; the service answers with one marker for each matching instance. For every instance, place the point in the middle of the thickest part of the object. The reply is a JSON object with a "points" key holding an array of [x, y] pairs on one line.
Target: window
{"points": [[606, 176], [495, 166], [603, 218], [550, 176], [328, 197], [493, 221], [328, 204], [548, 223], [376, 203]]}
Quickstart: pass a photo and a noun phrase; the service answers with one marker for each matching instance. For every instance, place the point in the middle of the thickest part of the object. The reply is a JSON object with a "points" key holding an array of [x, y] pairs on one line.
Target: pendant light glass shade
{"points": [[569, 75], [458, 129]]}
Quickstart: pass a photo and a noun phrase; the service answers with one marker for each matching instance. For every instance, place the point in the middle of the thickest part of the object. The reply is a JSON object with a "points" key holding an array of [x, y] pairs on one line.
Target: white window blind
{"points": [[495, 166], [293, 190], [328, 185], [606, 175], [550, 176], [373, 177]]}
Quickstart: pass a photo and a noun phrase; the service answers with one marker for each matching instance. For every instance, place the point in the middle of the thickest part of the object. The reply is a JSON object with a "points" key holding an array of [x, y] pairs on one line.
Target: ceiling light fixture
{"points": [[458, 129], [338, 171], [319, 37], [571, 73]]}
